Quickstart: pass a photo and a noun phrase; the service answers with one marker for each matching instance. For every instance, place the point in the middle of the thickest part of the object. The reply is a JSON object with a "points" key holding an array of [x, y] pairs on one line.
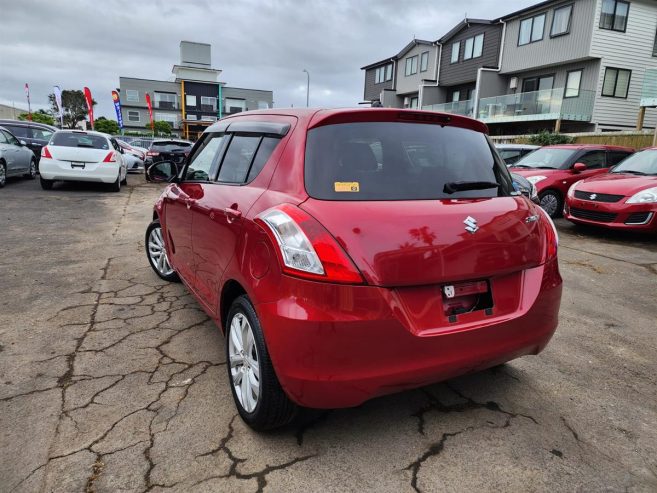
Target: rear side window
{"points": [[400, 161], [246, 157], [18, 131], [41, 134], [265, 150], [70, 139]]}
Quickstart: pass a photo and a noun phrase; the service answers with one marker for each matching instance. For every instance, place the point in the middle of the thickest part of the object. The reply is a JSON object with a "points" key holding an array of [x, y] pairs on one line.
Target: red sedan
{"points": [[348, 254], [625, 198], [553, 169]]}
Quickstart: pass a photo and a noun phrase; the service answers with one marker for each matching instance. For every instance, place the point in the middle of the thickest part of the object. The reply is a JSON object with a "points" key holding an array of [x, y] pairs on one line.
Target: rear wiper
{"points": [[462, 186], [86, 145]]}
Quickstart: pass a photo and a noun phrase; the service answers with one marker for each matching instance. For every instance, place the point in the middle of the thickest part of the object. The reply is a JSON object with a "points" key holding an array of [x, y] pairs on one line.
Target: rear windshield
{"points": [[546, 158], [71, 139], [401, 161], [169, 145]]}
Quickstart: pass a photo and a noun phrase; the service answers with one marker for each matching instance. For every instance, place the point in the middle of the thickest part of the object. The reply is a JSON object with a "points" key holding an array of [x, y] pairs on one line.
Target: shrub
{"points": [[545, 138]]}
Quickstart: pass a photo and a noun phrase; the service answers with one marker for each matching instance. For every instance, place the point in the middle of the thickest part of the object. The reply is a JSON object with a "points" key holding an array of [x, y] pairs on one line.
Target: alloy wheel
{"points": [[157, 253], [550, 204], [32, 169], [3, 175], [244, 362]]}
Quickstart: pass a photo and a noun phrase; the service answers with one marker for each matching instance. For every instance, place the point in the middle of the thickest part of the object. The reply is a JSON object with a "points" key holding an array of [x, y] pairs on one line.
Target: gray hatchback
{"points": [[16, 158]]}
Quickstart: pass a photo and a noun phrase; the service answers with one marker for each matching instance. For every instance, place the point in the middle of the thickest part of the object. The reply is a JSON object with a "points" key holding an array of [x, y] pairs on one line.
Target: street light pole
{"points": [[307, 88]]}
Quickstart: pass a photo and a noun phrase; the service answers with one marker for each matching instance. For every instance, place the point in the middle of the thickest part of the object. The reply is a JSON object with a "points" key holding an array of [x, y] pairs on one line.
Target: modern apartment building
{"points": [[192, 101], [576, 65]]}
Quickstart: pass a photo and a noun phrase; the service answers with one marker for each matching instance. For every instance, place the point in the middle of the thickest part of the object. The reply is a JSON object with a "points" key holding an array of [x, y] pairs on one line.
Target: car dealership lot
{"points": [[111, 379]]}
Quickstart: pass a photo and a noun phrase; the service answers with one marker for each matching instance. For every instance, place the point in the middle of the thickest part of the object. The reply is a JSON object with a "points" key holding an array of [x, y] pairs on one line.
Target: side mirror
{"points": [[22, 142], [524, 186], [579, 167], [163, 172]]}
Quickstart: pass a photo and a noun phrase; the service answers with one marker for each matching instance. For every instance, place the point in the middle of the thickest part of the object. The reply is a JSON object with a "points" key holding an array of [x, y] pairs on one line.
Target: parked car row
{"points": [[35, 135]]}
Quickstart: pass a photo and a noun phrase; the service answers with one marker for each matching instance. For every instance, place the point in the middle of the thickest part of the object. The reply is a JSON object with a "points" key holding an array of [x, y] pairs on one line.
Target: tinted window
{"points": [[415, 162], [164, 146], [79, 139], [41, 134], [239, 156], [17, 130], [510, 157], [547, 158], [593, 159], [615, 157], [265, 150], [204, 157]]}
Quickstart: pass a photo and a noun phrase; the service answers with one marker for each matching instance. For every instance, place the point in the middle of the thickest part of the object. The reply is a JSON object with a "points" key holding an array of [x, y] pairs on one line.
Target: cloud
{"points": [[261, 44]]}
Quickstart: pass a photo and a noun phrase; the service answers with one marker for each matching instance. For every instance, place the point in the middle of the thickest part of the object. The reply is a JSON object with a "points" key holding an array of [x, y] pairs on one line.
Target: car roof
{"points": [[84, 132], [590, 146], [25, 123], [316, 117]]}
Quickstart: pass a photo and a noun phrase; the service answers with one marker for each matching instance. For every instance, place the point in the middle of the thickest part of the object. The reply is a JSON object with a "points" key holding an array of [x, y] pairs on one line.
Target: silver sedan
{"points": [[16, 159]]}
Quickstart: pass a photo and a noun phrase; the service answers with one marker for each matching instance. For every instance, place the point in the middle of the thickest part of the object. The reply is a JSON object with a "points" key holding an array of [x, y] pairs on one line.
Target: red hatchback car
{"points": [[348, 254], [553, 169], [625, 198]]}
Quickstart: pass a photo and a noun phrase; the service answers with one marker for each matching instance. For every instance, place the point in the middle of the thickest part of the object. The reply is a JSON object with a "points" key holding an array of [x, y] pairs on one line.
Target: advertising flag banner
{"points": [[90, 105], [58, 99], [150, 109], [29, 106], [117, 108]]}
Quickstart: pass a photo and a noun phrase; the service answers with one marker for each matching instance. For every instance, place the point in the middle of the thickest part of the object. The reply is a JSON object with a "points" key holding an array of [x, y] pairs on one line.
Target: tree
{"points": [[74, 107], [40, 116], [104, 125], [161, 128]]}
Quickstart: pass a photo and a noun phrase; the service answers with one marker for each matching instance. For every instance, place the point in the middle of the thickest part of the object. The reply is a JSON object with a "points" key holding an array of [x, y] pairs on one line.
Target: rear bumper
{"points": [[51, 169], [626, 217], [350, 346]]}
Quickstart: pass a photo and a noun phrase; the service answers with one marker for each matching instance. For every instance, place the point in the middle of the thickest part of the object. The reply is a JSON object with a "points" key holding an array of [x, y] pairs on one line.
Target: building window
{"points": [[383, 74], [455, 96], [133, 116], [235, 105], [263, 105], [209, 118], [614, 15], [190, 100], [456, 48], [411, 65], [616, 83], [424, 61], [208, 103], [389, 72], [654, 47], [531, 30], [166, 100], [167, 117], [413, 102], [573, 83], [474, 47], [561, 21], [132, 95]]}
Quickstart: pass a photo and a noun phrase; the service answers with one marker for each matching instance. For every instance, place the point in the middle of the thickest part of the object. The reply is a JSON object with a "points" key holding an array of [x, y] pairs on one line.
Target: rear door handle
{"points": [[232, 214]]}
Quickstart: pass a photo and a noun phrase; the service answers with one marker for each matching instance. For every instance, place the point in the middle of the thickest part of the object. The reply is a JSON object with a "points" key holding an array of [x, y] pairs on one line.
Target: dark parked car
{"points": [[512, 153], [35, 135], [167, 150]]}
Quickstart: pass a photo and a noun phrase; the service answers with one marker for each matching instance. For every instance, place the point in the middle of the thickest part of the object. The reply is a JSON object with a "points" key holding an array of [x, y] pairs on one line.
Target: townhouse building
{"points": [[192, 100], [574, 65]]}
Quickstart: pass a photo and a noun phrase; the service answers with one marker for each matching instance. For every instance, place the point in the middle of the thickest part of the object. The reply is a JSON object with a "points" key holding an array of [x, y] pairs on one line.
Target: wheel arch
{"points": [[230, 292]]}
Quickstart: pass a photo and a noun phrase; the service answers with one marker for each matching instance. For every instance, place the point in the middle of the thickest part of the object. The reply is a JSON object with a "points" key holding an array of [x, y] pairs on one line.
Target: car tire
{"points": [[3, 174], [116, 186], [125, 179], [155, 248], [31, 174], [248, 363], [46, 184], [551, 202]]}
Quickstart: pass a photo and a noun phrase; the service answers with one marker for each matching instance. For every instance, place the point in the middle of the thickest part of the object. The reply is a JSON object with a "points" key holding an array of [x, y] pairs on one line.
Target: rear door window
{"points": [[239, 156], [615, 157], [265, 151], [41, 134], [18, 130], [3, 137], [400, 161]]}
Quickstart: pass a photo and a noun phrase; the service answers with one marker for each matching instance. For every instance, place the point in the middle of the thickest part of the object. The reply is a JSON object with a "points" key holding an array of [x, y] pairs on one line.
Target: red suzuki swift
{"points": [[348, 254]]}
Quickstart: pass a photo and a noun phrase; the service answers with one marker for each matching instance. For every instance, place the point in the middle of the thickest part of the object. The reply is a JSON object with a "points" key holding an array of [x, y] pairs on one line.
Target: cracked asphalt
{"points": [[113, 380]]}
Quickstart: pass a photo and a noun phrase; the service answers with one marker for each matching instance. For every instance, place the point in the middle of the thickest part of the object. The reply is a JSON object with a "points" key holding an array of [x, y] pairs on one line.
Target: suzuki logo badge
{"points": [[593, 196], [449, 291], [471, 225]]}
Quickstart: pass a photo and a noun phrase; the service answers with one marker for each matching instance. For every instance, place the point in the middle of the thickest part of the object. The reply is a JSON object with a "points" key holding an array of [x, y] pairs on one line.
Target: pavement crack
{"points": [[96, 470]]}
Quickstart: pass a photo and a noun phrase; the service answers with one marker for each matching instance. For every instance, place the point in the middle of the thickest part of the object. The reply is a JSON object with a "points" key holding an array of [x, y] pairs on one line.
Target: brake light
{"points": [[152, 153], [551, 236], [110, 158], [306, 249], [45, 152]]}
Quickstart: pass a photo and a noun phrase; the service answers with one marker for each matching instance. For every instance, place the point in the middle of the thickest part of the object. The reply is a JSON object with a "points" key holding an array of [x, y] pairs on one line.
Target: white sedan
{"points": [[74, 155]]}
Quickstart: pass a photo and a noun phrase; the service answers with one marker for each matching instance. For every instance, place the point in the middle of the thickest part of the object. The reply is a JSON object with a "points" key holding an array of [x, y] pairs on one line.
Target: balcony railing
{"points": [[166, 105], [459, 108], [549, 104], [649, 91]]}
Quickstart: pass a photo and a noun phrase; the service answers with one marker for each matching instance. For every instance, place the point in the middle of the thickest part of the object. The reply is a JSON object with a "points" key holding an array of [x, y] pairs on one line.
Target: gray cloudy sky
{"points": [[262, 44]]}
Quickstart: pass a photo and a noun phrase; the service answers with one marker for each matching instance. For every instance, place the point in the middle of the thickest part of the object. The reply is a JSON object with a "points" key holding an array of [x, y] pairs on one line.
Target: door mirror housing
{"points": [[22, 142], [579, 167], [163, 172], [525, 187]]}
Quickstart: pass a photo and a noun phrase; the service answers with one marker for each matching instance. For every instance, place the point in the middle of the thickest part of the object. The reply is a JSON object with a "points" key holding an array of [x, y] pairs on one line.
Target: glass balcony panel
{"points": [[464, 108]]}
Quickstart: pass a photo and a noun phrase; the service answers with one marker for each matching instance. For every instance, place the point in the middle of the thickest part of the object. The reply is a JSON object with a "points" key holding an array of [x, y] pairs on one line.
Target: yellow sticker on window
{"points": [[346, 186]]}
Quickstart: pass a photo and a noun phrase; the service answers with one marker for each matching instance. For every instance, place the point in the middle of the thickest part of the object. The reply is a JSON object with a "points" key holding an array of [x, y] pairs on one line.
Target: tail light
{"points": [[306, 249], [110, 158], [551, 236], [152, 153], [45, 152]]}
